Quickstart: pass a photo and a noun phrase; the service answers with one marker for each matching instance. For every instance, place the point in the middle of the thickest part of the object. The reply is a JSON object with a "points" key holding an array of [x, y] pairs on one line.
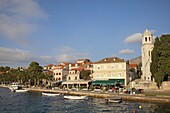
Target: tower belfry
{"points": [[147, 46]]}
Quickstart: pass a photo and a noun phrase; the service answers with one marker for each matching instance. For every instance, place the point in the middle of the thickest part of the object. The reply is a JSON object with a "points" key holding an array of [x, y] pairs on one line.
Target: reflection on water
{"points": [[28, 102]]}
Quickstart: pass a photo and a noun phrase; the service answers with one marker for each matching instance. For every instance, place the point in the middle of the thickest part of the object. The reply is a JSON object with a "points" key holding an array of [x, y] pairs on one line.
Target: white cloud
{"points": [[113, 55], [153, 31], [18, 57], [69, 54], [126, 51], [18, 18], [137, 37], [134, 38], [10, 56]]}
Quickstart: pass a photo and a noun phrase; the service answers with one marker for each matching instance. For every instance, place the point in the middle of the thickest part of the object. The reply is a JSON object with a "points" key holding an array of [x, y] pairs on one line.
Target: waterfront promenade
{"points": [[157, 98], [137, 97]]}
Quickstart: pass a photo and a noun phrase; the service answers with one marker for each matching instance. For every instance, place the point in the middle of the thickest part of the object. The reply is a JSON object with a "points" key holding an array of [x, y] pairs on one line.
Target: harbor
{"points": [[126, 97], [34, 101]]}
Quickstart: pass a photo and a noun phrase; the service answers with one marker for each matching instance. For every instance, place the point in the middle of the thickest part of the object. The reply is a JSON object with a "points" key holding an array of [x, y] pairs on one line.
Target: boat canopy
{"points": [[109, 82]]}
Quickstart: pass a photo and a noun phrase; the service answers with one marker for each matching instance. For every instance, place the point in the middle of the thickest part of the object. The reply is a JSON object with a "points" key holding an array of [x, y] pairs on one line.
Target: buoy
{"points": [[133, 111], [140, 107]]}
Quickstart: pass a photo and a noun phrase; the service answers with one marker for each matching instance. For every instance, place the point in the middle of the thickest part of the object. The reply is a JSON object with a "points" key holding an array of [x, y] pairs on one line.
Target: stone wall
{"points": [[166, 85]]}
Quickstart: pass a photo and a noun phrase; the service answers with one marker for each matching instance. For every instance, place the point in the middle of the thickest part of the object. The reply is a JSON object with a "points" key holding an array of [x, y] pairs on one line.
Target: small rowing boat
{"points": [[75, 97], [114, 100], [50, 94]]}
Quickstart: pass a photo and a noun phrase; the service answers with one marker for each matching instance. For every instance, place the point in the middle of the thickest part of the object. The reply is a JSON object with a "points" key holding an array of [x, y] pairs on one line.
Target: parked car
{"points": [[138, 91]]}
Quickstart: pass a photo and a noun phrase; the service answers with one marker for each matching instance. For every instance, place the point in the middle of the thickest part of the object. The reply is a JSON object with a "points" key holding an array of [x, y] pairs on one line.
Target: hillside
{"points": [[136, 60]]}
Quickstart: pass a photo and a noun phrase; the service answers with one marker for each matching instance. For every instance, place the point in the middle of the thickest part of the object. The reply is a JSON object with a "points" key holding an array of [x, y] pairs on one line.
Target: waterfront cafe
{"points": [[109, 82], [76, 83]]}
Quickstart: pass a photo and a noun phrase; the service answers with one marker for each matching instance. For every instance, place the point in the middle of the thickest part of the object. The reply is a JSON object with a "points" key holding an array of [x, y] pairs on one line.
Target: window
{"points": [[112, 74], [149, 39], [75, 78], [59, 74], [105, 66], [98, 75], [105, 75], [119, 66], [149, 53], [145, 39], [98, 67], [69, 78], [119, 74]]}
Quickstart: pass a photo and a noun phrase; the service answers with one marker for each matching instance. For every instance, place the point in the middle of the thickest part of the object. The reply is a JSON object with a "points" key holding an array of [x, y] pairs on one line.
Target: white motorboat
{"points": [[13, 87], [20, 90], [75, 97], [50, 94]]}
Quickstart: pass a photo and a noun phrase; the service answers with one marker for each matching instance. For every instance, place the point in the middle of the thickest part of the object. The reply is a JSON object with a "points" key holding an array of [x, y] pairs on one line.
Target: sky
{"points": [[55, 31]]}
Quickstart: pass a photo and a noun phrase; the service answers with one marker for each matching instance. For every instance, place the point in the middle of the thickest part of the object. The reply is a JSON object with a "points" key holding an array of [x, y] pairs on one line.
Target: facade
{"points": [[109, 71], [146, 49], [73, 77], [60, 72]]}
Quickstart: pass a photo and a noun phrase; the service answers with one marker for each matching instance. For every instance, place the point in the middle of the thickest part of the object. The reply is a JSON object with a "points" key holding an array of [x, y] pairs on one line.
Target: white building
{"points": [[60, 72], [147, 47]]}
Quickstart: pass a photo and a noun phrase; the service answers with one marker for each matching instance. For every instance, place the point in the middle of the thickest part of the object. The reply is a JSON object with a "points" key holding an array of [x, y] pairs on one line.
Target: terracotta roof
{"points": [[78, 69], [51, 65], [110, 60], [133, 65]]}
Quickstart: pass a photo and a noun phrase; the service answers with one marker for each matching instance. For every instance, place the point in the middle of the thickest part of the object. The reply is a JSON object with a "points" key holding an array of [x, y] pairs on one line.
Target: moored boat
{"points": [[75, 97], [114, 100], [50, 94], [20, 90]]}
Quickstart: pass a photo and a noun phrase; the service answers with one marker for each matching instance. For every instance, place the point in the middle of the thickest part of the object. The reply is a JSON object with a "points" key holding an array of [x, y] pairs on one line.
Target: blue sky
{"points": [[53, 31]]}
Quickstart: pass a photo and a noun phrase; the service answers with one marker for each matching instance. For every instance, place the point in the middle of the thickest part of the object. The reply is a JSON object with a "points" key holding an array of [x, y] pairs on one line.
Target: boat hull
{"points": [[50, 94], [75, 97], [21, 90], [113, 100]]}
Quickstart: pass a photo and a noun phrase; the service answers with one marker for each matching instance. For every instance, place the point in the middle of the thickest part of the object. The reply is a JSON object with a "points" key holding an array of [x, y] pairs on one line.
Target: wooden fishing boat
{"points": [[75, 97]]}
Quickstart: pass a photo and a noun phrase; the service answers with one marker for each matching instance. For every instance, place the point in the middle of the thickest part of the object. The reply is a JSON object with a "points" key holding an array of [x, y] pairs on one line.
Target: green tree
{"points": [[160, 66], [35, 72], [159, 78], [155, 57], [164, 50], [85, 74]]}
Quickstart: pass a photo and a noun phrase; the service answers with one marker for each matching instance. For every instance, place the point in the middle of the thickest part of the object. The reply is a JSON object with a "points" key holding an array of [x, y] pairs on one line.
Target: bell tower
{"points": [[146, 48]]}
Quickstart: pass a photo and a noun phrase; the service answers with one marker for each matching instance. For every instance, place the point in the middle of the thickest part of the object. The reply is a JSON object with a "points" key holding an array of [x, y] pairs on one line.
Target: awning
{"points": [[108, 82]]}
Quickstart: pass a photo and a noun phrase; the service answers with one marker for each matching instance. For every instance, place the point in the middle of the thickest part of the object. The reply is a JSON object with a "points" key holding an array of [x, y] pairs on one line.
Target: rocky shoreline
{"points": [[138, 98]]}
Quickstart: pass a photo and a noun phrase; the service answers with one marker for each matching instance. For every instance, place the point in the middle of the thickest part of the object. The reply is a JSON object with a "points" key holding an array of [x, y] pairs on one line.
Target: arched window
{"points": [[149, 38], [75, 78], [149, 53], [145, 39]]}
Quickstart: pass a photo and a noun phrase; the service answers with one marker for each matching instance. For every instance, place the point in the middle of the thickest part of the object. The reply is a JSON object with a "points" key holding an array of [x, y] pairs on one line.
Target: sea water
{"points": [[31, 102]]}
